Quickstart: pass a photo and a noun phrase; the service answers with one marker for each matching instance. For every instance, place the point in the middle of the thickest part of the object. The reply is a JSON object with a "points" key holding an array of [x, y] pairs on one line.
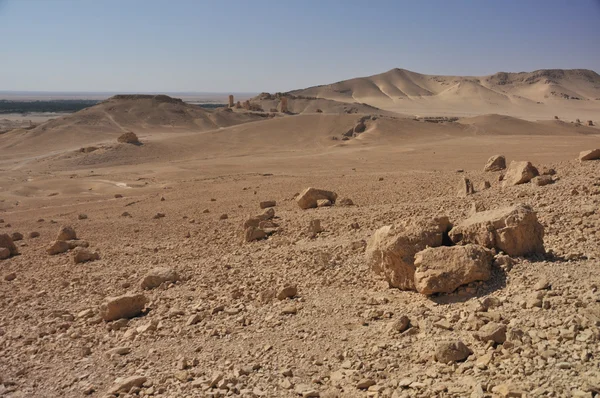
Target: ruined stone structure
{"points": [[231, 103], [283, 105]]}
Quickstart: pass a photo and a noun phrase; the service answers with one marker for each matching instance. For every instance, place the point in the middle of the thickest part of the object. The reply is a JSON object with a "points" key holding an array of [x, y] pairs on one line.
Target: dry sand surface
{"points": [[300, 312]]}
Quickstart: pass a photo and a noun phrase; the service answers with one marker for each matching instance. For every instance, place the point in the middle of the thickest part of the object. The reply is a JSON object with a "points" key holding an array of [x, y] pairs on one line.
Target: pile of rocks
{"points": [[432, 256], [67, 240]]}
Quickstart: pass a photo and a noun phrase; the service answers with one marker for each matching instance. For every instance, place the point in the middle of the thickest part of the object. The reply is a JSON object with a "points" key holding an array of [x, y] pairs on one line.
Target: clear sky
{"points": [[279, 45]]}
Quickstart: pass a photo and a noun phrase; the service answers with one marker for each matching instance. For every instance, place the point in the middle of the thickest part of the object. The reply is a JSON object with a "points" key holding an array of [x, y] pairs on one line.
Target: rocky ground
{"points": [[299, 313]]}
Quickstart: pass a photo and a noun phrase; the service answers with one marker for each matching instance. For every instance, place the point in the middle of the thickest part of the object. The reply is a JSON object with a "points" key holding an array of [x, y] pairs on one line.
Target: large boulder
{"points": [[515, 230], [592, 154], [125, 306], [519, 173], [495, 163], [58, 247], [391, 250], [309, 197], [7, 243], [443, 269], [158, 276]]}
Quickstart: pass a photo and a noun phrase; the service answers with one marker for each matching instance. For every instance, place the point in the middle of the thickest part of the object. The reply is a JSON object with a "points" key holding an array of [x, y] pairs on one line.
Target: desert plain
{"points": [[191, 260]]}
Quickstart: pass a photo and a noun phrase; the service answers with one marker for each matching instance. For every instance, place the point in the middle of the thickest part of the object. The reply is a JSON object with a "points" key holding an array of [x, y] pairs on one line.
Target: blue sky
{"points": [[255, 45]]}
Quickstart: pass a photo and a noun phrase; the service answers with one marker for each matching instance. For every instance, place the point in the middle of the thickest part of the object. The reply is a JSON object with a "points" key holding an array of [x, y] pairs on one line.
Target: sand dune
{"points": [[539, 94]]}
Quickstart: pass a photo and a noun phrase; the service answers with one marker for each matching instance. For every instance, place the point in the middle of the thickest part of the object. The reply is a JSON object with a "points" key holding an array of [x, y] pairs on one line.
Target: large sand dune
{"points": [[535, 95]]}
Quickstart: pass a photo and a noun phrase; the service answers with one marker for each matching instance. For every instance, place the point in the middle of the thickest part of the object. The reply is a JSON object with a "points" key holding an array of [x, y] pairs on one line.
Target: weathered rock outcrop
{"points": [[465, 188], [391, 250], [443, 269], [309, 197], [514, 230]]}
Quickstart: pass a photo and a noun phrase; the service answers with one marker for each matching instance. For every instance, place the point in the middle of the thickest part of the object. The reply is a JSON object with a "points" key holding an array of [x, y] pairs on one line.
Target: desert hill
{"points": [[121, 113], [301, 104], [539, 94]]}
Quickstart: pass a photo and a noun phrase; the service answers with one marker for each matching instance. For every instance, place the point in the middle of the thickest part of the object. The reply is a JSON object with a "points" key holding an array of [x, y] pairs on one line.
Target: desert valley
{"points": [[397, 235]]}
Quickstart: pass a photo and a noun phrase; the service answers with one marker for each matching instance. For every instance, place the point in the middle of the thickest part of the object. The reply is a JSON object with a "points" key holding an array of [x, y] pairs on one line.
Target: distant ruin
{"points": [[283, 105], [231, 103]]}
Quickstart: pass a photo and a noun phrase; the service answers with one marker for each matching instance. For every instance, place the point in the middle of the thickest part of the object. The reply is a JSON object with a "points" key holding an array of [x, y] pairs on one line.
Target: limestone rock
{"points": [[495, 163], [252, 233], [267, 203], [57, 247], [83, 256], [542, 180], [593, 154], [346, 202], [124, 385], [443, 269], [514, 230], [254, 221], [4, 253], [16, 236], [125, 306], [287, 291], [7, 243], [314, 228], [324, 203], [158, 276], [465, 187], [128, 138], [309, 197], [391, 250], [66, 233], [492, 331], [451, 351], [34, 234], [519, 173]]}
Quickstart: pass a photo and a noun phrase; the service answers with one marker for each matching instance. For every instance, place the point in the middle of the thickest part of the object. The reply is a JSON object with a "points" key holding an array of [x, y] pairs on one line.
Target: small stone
{"points": [[82, 217], [124, 385], [289, 310], [158, 215], [10, 277], [157, 276], [58, 247], [223, 217], [84, 255], [66, 233], [365, 383], [542, 284], [287, 292], [17, 236], [125, 306], [451, 351], [492, 331], [267, 204], [34, 234]]}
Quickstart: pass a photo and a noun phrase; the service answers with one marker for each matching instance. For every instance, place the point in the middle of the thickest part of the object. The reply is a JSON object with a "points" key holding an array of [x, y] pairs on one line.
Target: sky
{"points": [[280, 45]]}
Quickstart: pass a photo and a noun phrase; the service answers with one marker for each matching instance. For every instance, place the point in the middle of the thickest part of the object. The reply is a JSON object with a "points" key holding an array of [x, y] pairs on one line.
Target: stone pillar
{"points": [[231, 101], [247, 105], [238, 105], [283, 105]]}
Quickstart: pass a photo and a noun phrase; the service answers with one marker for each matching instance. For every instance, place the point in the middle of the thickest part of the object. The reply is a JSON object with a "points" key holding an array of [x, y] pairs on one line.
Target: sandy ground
{"points": [[217, 332]]}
